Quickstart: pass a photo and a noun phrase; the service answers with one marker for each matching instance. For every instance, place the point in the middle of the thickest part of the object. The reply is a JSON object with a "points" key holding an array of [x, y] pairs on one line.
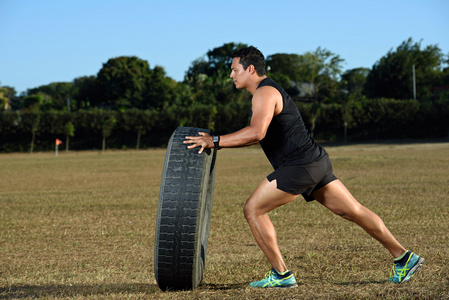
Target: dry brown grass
{"points": [[82, 226]]}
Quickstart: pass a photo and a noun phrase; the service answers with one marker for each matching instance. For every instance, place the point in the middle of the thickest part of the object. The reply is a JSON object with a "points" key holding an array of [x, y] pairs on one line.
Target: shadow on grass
{"points": [[361, 282], [36, 291], [222, 287]]}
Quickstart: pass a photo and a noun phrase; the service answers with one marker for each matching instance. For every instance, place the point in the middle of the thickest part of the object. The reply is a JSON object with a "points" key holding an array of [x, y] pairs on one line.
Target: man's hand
{"points": [[204, 141]]}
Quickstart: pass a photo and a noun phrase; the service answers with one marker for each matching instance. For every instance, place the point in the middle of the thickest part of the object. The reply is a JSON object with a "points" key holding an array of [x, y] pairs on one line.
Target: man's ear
{"points": [[251, 69]]}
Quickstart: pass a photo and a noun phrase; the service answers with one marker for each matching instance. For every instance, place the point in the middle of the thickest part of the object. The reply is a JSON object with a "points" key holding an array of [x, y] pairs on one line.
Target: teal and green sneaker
{"points": [[404, 269], [274, 280]]}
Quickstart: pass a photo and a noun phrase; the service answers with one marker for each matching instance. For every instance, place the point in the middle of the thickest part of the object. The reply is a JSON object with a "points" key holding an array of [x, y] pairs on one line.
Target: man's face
{"points": [[238, 74]]}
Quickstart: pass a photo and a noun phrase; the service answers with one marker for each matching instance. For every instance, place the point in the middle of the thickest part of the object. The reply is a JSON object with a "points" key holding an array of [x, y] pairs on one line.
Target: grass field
{"points": [[82, 226]]}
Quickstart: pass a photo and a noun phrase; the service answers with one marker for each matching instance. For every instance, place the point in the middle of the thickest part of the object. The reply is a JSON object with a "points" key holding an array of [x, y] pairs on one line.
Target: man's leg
{"points": [[264, 199], [339, 200]]}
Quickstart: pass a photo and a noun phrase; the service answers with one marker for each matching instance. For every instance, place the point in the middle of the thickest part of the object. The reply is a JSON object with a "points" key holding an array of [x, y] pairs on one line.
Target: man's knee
{"points": [[248, 211]]}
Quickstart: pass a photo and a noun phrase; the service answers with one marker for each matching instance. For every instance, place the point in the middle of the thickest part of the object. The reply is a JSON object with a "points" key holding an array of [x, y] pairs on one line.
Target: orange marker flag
{"points": [[58, 142]]}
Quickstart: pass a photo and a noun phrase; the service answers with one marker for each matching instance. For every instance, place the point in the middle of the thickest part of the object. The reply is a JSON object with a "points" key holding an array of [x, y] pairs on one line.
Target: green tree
{"points": [[10, 132], [315, 112], [85, 91], [94, 123], [123, 82], [4, 99], [14, 102], [31, 123], [351, 86], [139, 122], [218, 62], [33, 102], [107, 122], [69, 131], [209, 79], [128, 82], [392, 75], [320, 68], [161, 89], [286, 64], [55, 94], [353, 81], [31, 116]]}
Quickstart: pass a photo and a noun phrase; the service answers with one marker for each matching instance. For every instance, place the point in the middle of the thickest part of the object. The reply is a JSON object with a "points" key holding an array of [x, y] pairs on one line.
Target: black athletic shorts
{"points": [[304, 179]]}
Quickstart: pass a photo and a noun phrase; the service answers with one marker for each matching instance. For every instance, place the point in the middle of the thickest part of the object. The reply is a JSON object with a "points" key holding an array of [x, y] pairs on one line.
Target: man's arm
{"points": [[266, 103]]}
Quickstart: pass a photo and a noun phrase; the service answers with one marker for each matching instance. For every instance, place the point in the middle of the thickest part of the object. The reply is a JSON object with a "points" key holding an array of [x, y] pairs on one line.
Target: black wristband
{"points": [[216, 140]]}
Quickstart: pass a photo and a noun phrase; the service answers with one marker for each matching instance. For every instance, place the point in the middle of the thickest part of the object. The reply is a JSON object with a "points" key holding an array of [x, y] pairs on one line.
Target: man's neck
{"points": [[252, 89]]}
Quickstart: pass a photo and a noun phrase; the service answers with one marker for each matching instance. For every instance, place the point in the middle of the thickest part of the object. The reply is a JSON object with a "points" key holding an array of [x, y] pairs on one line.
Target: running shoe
{"points": [[274, 280], [403, 270]]}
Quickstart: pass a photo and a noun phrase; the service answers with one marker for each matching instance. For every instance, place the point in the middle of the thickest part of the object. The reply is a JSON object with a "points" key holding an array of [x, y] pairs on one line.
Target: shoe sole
{"points": [[413, 270], [290, 286]]}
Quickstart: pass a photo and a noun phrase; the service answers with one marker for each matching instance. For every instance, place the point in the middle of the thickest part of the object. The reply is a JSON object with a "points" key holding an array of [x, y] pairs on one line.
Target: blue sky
{"points": [[54, 41]]}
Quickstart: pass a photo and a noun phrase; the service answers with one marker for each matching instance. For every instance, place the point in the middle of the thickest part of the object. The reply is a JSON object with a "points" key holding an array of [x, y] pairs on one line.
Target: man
{"points": [[301, 167]]}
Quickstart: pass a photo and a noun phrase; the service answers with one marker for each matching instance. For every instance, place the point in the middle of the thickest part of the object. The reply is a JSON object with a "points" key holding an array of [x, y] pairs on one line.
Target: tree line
{"points": [[130, 105]]}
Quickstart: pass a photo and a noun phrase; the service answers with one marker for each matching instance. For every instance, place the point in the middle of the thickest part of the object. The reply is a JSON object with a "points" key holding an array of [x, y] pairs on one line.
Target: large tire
{"points": [[183, 216]]}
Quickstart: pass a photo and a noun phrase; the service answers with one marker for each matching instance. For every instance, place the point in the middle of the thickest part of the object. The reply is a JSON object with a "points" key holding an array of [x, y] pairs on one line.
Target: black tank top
{"points": [[287, 141]]}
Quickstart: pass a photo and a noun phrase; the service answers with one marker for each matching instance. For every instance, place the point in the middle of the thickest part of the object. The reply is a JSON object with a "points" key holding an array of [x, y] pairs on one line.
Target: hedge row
{"points": [[95, 129]]}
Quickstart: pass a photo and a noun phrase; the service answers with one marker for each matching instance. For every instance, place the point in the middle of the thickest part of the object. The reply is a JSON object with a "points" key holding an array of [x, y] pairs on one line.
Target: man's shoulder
{"points": [[266, 90], [267, 81]]}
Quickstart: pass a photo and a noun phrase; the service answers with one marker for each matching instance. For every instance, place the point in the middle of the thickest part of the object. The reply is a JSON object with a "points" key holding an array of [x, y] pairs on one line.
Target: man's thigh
{"points": [[336, 197], [267, 197]]}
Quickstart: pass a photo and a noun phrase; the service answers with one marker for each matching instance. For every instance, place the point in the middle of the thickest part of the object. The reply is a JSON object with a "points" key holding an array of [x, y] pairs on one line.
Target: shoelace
{"points": [[392, 271], [268, 274], [401, 272]]}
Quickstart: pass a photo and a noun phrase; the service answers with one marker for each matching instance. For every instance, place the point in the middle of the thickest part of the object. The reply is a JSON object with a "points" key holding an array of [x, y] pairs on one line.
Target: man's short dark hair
{"points": [[251, 56]]}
